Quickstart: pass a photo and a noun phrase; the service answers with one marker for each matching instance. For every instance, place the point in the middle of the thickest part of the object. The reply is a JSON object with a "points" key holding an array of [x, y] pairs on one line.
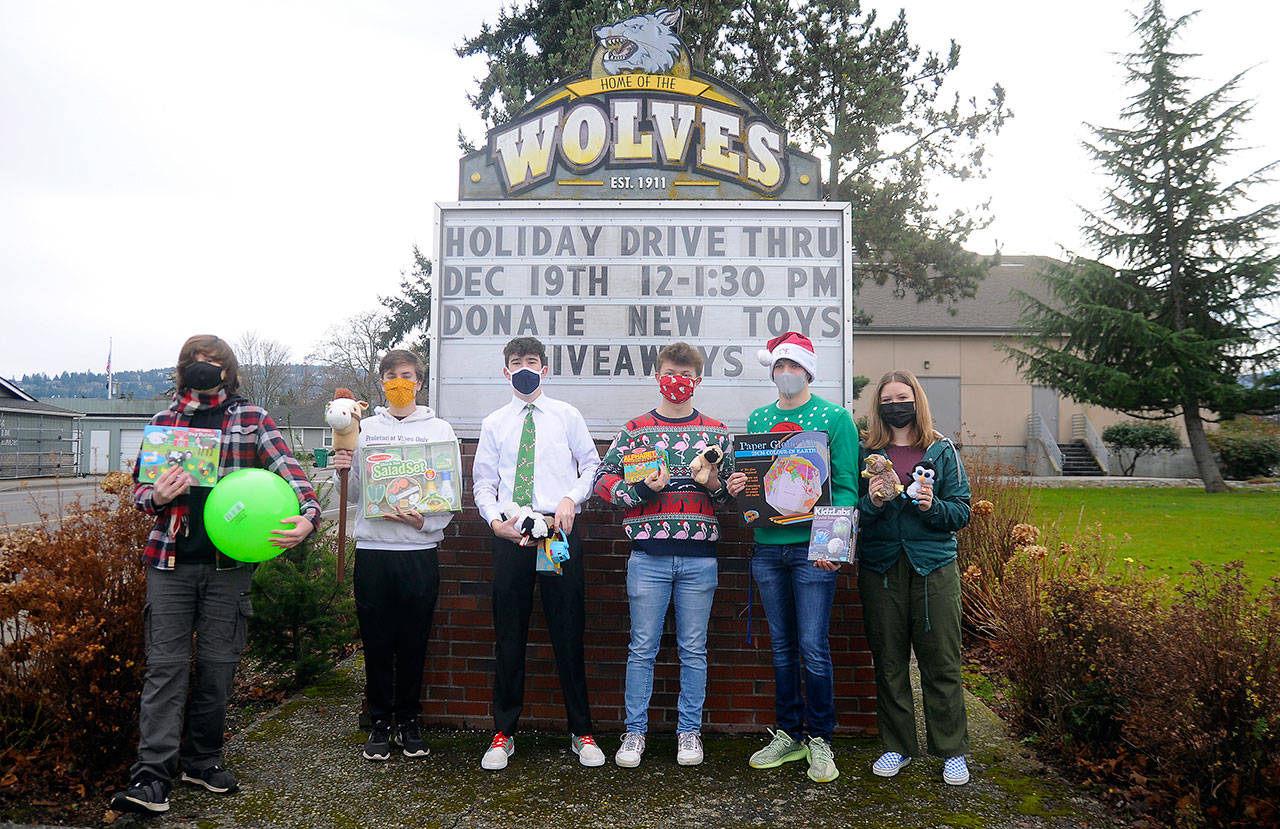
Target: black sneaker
{"points": [[148, 797], [410, 740], [378, 746], [215, 778]]}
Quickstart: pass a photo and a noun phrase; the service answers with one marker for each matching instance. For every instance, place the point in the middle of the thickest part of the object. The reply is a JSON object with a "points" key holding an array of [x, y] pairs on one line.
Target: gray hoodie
{"points": [[382, 429]]}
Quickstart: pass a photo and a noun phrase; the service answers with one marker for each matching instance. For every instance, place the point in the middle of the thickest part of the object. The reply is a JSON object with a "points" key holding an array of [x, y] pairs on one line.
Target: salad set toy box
{"points": [[411, 477]]}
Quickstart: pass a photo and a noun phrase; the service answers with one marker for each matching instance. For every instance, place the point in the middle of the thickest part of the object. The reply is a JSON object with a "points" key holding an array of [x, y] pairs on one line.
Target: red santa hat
{"points": [[790, 346]]}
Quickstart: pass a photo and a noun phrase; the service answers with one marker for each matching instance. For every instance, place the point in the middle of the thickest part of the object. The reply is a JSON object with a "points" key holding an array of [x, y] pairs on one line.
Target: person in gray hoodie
{"points": [[397, 574]]}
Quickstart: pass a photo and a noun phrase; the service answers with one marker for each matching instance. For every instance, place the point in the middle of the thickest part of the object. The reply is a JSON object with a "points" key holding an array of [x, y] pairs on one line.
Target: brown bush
{"points": [[1000, 502], [71, 664], [1170, 696]]}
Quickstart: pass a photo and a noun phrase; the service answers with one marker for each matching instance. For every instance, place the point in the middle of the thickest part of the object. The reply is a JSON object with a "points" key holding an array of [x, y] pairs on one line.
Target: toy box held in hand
{"points": [[195, 450], [640, 465], [788, 473], [411, 477], [835, 530]]}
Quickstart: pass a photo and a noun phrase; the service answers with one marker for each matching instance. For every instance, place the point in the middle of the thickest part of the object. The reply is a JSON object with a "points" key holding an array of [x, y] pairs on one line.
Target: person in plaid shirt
{"points": [[192, 588]]}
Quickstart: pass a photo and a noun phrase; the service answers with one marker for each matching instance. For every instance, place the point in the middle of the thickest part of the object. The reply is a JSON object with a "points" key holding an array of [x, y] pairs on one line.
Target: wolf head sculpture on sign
{"points": [[645, 43]]}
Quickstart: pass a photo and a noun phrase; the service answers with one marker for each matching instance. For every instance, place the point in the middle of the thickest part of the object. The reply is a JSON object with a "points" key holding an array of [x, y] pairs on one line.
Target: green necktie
{"points": [[522, 491]]}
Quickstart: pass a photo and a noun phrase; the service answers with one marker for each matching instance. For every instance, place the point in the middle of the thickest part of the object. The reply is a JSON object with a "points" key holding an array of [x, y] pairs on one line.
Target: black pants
{"points": [[513, 577], [395, 600]]}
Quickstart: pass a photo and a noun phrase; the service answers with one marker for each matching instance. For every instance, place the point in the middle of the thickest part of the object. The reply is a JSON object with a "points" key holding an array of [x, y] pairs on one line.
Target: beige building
{"points": [[975, 390]]}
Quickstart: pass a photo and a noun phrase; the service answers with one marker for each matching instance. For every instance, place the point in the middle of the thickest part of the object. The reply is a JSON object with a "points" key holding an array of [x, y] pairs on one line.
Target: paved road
{"points": [[25, 506]]}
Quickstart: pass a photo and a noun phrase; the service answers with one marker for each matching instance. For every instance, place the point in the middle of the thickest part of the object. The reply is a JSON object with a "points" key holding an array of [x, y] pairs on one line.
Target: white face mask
{"points": [[790, 384]]}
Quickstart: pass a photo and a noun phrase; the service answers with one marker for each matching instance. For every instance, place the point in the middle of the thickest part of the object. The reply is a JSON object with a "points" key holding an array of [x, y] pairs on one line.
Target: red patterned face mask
{"points": [[675, 388]]}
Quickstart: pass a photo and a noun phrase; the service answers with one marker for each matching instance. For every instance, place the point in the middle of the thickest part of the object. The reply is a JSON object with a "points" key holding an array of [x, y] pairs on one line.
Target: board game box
{"points": [[196, 450], [788, 474], [411, 477]]}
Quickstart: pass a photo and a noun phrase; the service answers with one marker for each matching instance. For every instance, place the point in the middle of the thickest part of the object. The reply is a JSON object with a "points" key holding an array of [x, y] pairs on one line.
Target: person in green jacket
{"points": [[797, 593], [909, 580]]}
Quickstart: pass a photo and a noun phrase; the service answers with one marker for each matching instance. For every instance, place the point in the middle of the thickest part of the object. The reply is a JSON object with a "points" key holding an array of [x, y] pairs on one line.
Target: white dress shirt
{"points": [[564, 460]]}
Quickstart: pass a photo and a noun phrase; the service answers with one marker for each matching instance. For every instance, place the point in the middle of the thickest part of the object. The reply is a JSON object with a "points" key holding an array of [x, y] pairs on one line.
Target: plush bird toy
{"points": [[882, 480], [922, 478], [343, 416]]}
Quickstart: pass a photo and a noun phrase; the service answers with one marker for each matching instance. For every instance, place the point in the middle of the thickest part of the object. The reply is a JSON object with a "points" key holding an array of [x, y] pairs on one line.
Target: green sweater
{"points": [[817, 415]]}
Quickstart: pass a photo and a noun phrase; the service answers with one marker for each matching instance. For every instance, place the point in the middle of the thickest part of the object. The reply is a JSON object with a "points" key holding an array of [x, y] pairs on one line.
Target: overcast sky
{"points": [[174, 168]]}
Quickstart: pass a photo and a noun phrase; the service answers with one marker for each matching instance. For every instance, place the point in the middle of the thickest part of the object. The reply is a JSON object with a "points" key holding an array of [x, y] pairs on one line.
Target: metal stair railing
{"points": [[1039, 439], [1082, 430]]}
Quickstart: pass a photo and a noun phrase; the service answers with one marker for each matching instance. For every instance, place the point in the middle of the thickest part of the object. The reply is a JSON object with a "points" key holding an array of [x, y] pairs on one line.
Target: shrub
{"points": [[71, 663], [303, 620], [1133, 440], [1172, 697], [1000, 502], [1247, 447]]}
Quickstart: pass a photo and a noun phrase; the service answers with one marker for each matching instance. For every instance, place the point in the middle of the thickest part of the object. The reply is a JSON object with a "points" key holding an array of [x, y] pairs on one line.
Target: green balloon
{"points": [[242, 510]]}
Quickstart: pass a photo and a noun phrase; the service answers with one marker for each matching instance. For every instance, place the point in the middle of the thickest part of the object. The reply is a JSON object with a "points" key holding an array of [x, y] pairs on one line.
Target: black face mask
{"points": [[898, 415], [202, 376]]}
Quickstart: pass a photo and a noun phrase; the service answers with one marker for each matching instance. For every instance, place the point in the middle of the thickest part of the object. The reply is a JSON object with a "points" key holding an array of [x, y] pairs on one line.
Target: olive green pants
{"points": [[902, 611]]}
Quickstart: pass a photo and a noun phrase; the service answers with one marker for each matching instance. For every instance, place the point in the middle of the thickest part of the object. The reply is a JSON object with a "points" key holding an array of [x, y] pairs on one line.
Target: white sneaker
{"points": [[500, 749], [689, 748], [631, 750], [589, 754]]}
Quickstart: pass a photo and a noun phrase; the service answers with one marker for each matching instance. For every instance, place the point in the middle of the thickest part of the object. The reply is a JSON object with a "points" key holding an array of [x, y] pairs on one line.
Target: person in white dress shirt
{"points": [[561, 459]]}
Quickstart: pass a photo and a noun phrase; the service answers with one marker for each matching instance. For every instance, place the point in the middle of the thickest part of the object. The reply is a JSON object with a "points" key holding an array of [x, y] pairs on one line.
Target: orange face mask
{"points": [[400, 392]]}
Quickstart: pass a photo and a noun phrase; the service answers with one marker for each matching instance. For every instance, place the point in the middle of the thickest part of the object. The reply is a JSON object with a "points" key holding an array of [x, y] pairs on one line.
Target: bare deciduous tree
{"points": [[350, 354], [266, 371]]}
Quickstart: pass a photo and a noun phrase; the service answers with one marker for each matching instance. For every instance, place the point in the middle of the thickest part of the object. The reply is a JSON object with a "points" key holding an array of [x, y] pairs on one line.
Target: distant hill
{"points": [[154, 383], [141, 385]]}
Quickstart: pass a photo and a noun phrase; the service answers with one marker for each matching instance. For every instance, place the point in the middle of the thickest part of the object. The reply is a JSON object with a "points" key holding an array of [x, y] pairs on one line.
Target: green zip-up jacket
{"points": [[898, 526], [817, 415]]}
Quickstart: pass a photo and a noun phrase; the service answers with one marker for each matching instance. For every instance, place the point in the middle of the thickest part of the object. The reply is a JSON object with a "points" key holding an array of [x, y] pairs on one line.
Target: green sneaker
{"points": [[822, 763], [783, 748]]}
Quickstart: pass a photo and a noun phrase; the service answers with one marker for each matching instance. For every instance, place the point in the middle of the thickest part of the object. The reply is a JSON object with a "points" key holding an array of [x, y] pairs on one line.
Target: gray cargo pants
{"points": [[214, 605]]}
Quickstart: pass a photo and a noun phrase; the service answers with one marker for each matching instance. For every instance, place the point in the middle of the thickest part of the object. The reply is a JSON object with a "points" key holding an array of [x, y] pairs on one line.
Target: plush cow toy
{"points": [[343, 416]]}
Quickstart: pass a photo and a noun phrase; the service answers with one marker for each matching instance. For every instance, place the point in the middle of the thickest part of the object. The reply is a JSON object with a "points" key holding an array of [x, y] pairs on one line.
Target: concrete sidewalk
{"points": [[300, 766]]}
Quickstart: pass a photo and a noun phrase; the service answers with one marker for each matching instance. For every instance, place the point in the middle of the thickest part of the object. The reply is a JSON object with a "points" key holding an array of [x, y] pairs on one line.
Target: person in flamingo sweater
{"points": [[671, 522]]}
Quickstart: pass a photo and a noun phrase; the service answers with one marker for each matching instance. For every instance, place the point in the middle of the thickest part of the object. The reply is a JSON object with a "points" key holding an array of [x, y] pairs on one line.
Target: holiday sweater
{"points": [[817, 415], [681, 519]]}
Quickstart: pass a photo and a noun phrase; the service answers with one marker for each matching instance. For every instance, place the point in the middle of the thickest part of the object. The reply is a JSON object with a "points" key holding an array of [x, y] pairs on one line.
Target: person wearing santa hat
{"points": [[797, 593]]}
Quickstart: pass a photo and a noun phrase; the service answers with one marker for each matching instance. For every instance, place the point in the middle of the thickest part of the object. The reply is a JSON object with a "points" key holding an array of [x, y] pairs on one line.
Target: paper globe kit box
{"points": [[788, 474]]}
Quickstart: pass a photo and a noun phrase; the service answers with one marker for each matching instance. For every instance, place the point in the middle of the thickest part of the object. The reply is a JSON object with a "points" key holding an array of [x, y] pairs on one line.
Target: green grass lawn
{"points": [[1169, 528]]}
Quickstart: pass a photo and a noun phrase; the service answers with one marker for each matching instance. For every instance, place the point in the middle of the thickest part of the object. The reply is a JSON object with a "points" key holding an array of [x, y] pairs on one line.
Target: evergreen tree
{"points": [[409, 312], [1163, 318], [859, 94]]}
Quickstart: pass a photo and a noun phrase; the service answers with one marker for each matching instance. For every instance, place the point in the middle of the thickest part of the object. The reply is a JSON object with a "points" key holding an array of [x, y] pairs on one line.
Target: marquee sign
{"points": [[604, 285], [640, 123]]}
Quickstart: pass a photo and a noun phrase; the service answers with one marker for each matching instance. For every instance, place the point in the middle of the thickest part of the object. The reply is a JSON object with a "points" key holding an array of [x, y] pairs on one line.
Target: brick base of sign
{"points": [[459, 676]]}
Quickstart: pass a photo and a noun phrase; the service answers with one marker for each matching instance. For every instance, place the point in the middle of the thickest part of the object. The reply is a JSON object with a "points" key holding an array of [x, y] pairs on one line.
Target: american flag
{"points": [[108, 369]]}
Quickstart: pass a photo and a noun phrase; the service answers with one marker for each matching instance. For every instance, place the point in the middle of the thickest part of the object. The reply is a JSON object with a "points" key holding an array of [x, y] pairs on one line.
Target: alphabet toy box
{"points": [[196, 450], [411, 477], [788, 473]]}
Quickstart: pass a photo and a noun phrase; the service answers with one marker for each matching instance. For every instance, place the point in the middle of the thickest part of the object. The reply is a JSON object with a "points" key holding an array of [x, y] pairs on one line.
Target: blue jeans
{"points": [[651, 583], [797, 601]]}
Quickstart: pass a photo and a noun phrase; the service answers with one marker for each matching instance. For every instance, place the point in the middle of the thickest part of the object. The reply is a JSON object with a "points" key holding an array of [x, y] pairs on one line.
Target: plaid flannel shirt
{"points": [[250, 439]]}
